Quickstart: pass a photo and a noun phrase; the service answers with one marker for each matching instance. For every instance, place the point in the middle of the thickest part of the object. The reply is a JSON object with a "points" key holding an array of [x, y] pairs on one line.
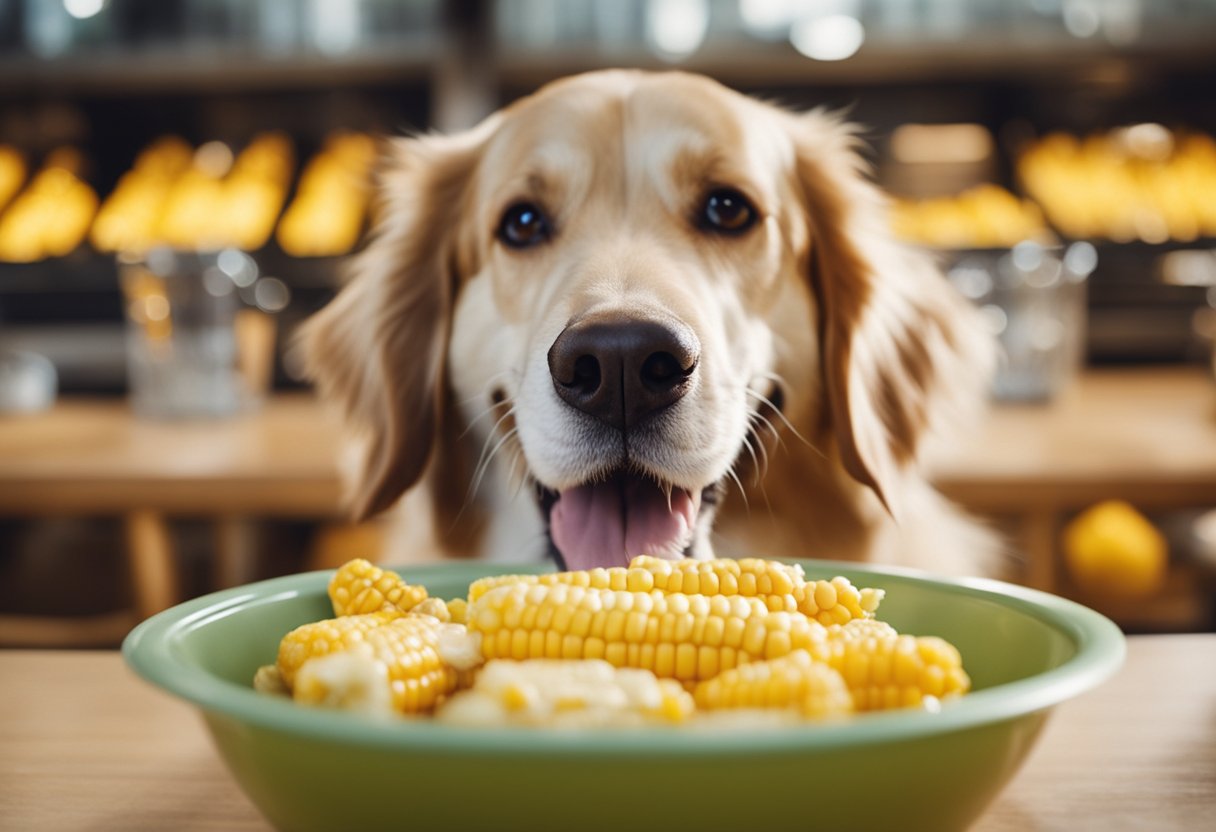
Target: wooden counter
{"points": [[94, 457], [1146, 435], [87, 745]]}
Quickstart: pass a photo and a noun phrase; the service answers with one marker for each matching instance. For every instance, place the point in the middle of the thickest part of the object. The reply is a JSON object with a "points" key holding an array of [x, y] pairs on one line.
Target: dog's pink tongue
{"points": [[609, 523]]}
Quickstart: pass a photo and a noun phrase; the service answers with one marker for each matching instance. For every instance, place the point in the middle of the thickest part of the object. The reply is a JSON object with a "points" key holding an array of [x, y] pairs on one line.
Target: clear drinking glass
{"points": [[195, 348], [1034, 299]]}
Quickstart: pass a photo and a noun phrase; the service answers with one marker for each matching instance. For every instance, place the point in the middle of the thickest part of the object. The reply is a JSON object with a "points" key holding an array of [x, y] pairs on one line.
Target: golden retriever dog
{"points": [[642, 313]]}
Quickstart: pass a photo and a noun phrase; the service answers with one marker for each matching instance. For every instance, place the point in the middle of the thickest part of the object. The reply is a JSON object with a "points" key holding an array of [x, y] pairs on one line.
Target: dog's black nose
{"points": [[620, 369]]}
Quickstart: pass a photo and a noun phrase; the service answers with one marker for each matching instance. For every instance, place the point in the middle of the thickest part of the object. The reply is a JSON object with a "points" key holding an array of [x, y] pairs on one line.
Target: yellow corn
{"points": [[458, 609], [782, 588], [567, 693], [794, 681], [434, 607], [685, 637], [360, 587], [269, 680], [772, 582], [481, 586], [896, 671], [861, 628], [403, 649]]}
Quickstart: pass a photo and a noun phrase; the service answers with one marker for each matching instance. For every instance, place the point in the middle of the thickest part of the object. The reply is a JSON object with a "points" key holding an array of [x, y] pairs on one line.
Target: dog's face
{"points": [[614, 287], [632, 249]]}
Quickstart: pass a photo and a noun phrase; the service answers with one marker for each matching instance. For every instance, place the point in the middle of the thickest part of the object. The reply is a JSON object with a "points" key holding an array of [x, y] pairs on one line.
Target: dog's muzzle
{"points": [[622, 371]]}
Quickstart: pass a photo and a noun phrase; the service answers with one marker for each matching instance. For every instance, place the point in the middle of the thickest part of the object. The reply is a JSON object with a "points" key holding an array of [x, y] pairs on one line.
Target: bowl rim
{"points": [[149, 651]]}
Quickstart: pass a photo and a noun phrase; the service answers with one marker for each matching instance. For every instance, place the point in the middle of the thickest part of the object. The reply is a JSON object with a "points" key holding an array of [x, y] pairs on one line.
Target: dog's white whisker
{"points": [[510, 412], [481, 461], [752, 452], [498, 423], [490, 434], [481, 469], [730, 472], [760, 481], [473, 422], [764, 450], [484, 466], [777, 434], [480, 473], [772, 429], [520, 479], [768, 375], [484, 394], [761, 463], [789, 425]]}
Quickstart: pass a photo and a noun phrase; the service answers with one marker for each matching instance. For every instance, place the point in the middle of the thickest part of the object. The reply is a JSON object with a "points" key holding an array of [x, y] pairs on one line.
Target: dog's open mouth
{"points": [[608, 522]]}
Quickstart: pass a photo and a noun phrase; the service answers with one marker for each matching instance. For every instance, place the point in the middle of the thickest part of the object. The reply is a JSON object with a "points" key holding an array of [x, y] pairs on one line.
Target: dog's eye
{"points": [[726, 210], [523, 225]]}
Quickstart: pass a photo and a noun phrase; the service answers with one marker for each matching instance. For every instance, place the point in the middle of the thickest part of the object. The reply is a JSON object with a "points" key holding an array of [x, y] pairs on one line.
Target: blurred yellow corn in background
{"points": [[327, 214], [986, 216], [1136, 183], [129, 218], [12, 173], [221, 202], [52, 215]]}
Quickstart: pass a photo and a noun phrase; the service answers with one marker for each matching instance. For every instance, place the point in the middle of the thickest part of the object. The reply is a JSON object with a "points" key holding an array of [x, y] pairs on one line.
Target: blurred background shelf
{"points": [[107, 78]]}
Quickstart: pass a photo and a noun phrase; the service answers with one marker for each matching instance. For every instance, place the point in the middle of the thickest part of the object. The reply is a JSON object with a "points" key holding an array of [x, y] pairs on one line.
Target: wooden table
{"points": [[87, 745], [1147, 436], [93, 457], [1144, 435]]}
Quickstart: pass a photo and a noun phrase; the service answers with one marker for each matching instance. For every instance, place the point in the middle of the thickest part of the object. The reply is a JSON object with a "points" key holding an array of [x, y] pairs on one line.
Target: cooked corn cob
{"points": [[686, 637], [434, 607], [862, 628], [559, 693], [481, 586], [405, 647], [269, 680], [323, 637], [793, 681], [888, 670], [454, 611], [458, 609], [360, 587], [349, 680], [780, 586]]}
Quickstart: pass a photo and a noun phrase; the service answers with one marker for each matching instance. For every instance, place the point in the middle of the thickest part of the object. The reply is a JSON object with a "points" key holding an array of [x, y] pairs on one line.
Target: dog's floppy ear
{"points": [[898, 345], [379, 348]]}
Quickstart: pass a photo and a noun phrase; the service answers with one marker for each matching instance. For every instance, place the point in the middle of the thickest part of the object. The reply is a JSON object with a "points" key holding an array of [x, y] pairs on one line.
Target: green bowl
{"points": [[308, 769]]}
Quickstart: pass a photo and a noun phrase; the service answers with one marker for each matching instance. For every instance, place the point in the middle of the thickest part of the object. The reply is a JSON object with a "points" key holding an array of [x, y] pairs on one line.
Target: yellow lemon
{"points": [[1111, 548]]}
